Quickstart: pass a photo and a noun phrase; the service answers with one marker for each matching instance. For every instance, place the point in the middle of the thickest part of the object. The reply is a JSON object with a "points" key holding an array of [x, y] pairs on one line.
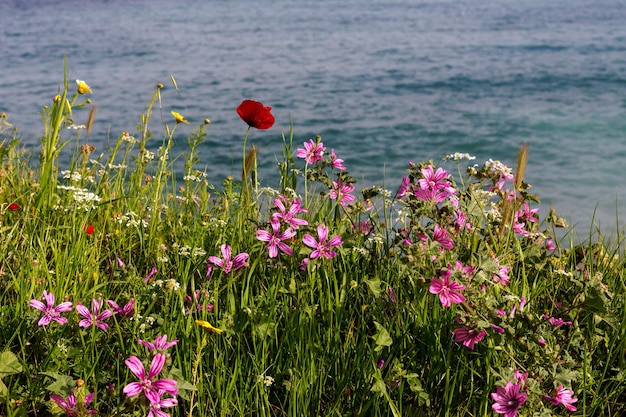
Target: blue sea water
{"points": [[383, 82]]}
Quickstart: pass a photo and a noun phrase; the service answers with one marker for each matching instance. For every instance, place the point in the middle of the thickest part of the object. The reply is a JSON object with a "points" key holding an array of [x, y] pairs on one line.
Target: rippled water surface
{"points": [[382, 82]]}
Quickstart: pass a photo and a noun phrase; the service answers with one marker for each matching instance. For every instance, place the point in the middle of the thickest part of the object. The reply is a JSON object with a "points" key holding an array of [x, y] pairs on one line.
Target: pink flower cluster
{"points": [[94, 317]]}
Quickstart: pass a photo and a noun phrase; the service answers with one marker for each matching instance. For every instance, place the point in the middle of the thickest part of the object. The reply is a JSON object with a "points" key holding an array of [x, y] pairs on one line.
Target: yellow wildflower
{"points": [[83, 88], [208, 326], [56, 98], [179, 118]]}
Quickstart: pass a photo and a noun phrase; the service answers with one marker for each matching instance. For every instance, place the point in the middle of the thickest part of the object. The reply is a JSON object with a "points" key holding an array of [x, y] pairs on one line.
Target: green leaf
{"points": [[9, 364], [382, 337], [379, 385], [62, 384], [183, 385], [374, 286]]}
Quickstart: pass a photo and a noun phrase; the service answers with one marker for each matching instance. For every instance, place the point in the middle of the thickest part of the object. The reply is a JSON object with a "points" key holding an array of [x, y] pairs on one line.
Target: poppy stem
{"points": [[244, 171]]}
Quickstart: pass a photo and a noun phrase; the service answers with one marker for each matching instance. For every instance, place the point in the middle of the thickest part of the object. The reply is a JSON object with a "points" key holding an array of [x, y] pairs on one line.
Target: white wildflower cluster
{"points": [[375, 239], [458, 156], [265, 380], [385, 193], [146, 156], [269, 191], [163, 154], [126, 137], [360, 250], [187, 250], [83, 198], [216, 224], [73, 176], [564, 273], [493, 213], [404, 215], [498, 170], [197, 177], [484, 195], [76, 127], [162, 259], [119, 166], [148, 322], [168, 284], [131, 219]]}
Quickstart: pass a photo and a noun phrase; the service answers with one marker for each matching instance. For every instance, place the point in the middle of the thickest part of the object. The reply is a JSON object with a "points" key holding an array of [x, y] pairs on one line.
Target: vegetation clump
{"points": [[133, 286]]}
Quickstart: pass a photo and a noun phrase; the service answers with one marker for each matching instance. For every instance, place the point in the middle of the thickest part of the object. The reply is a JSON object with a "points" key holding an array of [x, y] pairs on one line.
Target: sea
{"points": [[382, 82]]}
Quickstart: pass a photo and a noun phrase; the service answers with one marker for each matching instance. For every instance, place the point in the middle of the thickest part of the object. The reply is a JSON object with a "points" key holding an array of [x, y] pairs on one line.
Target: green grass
{"points": [[357, 334]]}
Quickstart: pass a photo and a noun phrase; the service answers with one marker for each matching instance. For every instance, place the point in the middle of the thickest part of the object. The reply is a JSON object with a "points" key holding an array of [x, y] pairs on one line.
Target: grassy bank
{"points": [[133, 286]]}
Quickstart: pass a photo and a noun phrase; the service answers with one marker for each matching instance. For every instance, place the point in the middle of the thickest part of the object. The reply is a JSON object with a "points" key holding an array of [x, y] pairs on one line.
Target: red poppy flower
{"points": [[14, 207], [255, 114], [89, 229]]}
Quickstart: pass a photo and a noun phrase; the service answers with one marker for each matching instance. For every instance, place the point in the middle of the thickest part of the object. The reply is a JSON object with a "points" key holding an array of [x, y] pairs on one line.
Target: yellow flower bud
{"points": [[179, 118], [83, 88]]}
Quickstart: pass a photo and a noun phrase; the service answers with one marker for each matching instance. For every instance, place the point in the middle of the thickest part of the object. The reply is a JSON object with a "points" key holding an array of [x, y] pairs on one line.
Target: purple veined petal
{"points": [[216, 261], [226, 252], [240, 260], [60, 320], [89, 398], [44, 321], [309, 240], [168, 385], [315, 254], [157, 365], [104, 315], [445, 300], [436, 285], [322, 232], [95, 304], [456, 298], [335, 241], [288, 233], [83, 311], [136, 367], [59, 400], [38, 305], [102, 326], [133, 388], [84, 323], [49, 297], [263, 235], [285, 248], [273, 251], [149, 345]]}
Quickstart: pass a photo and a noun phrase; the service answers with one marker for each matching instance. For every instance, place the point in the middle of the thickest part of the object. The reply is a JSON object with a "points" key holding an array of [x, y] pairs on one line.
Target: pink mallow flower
{"points": [[405, 185], [509, 399], [73, 407], [448, 290], [160, 344], [468, 336], [336, 162], [228, 263], [312, 152], [440, 236], [156, 406], [341, 191], [275, 240], [51, 312], [322, 247], [564, 397], [151, 389], [94, 317], [288, 215], [502, 276], [127, 311]]}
